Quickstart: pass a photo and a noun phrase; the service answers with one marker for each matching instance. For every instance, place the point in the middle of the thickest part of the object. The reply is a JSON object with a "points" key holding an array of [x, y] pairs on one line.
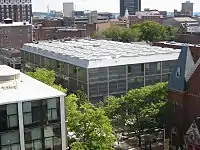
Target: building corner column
{"points": [[21, 126], [63, 123]]}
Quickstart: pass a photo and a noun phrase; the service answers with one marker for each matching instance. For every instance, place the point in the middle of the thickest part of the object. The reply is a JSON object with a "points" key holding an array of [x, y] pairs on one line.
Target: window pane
{"points": [[28, 146], [27, 135], [5, 148], [36, 133], [57, 143], [48, 131], [52, 114], [13, 120], [37, 145], [51, 103], [27, 107], [27, 118], [15, 147], [9, 138], [36, 114], [48, 143], [11, 109]]}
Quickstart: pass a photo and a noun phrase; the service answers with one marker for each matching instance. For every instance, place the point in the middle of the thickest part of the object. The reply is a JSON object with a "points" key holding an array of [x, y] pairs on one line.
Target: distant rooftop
{"points": [[101, 53], [16, 86], [15, 24], [183, 19], [178, 43]]}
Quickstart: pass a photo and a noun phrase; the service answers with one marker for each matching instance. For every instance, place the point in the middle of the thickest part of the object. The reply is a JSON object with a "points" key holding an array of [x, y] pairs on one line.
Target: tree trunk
{"points": [[149, 145], [140, 140]]}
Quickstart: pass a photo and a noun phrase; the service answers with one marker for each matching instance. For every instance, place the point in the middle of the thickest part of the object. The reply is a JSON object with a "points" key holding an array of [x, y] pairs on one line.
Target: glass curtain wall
{"points": [[42, 124], [69, 76], [9, 127]]}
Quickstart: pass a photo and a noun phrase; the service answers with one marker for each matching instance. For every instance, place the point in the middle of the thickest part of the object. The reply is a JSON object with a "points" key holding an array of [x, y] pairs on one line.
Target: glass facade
{"points": [[69, 76], [9, 127], [42, 129], [99, 83]]}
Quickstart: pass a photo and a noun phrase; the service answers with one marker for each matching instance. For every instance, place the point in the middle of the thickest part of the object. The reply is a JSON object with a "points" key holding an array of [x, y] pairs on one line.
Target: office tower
{"points": [[68, 8], [187, 8], [17, 10], [132, 6]]}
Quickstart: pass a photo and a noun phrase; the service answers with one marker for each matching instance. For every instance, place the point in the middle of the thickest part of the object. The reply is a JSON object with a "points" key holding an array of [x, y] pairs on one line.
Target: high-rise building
{"points": [[132, 6], [17, 10], [68, 9], [187, 8]]}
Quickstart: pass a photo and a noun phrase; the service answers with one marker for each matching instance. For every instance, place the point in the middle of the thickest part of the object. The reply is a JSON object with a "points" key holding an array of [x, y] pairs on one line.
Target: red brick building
{"points": [[15, 34], [184, 95], [49, 33], [48, 22], [143, 16], [18, 11]]}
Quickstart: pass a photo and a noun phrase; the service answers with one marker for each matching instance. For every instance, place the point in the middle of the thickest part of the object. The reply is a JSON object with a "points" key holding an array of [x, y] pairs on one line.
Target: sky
{"points": [[110, 5]]}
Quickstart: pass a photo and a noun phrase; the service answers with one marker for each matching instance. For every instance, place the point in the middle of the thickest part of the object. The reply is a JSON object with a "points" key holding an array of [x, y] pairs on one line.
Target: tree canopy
{"points": [[146, 31], [139, 110], [47, 77], [89, 124]]}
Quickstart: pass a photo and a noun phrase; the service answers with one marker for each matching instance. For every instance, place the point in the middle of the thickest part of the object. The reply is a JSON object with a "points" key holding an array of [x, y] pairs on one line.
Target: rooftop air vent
{"points": [[8, 78]]}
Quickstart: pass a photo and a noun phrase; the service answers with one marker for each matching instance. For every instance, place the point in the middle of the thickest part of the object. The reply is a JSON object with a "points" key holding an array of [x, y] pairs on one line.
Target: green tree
{"points": [[91, 127], [152, 31], [82, 97], [140, 110], [122, 34], [47, 77]]}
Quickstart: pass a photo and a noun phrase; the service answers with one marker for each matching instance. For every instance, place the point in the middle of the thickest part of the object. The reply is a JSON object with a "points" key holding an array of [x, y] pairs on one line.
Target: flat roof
{"points": [[182, 19], [7, 71], [26, 88], [90, 53], [178, 43], [15, 24]]}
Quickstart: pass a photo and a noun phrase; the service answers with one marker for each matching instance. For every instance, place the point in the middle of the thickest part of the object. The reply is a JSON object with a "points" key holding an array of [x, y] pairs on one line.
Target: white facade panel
{"points": [[68, 9]]}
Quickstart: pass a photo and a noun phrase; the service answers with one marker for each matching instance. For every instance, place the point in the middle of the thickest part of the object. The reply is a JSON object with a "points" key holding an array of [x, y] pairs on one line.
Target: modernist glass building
{"points": [[32, 114], [101, 67]]}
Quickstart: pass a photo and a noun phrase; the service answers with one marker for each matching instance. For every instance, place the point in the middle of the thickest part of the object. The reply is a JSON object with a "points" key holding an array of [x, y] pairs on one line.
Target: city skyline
{"points": [[111, 5]]}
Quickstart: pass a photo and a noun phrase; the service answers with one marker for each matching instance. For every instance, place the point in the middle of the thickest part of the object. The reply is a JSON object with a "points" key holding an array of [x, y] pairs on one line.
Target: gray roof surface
{"points": [[182, 19], [185, 63], [26, 88], [101, 53]]}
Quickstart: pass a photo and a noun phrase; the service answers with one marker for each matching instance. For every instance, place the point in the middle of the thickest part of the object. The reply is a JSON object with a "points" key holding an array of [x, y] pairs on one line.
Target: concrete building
{"points": [[183, 94], [177, 21], [142, 16], [33, 118], [187, 8], [10, 57], [132, 6], [68, 9], [101, 67], [15, 34], [17, 10]]}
